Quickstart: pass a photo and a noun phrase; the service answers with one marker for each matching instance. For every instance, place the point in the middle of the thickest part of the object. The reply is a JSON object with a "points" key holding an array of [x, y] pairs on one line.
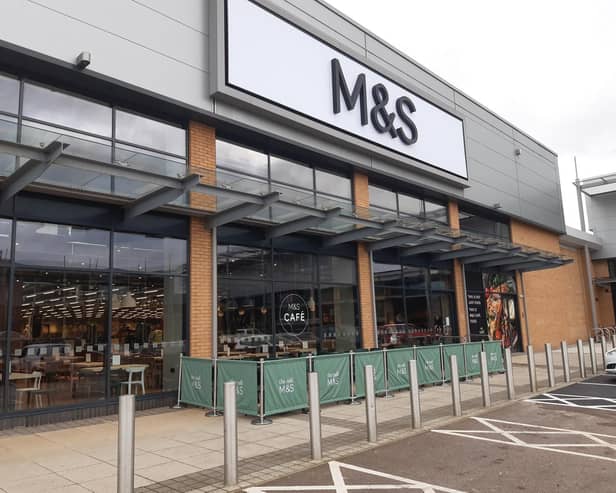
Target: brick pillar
{"points": [[202, 160], [458, 277], [364, 271]]}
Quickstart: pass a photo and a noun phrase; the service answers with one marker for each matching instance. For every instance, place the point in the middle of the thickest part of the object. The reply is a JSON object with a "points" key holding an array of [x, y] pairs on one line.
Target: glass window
{"points": [[58, 245], [296, 317], [58, 339], [441, 279], [66, 110], [242, 159], [147, 331], [410, 205], [414, 278], [293, 267], [150, 133], [336, 185], [4, 297], [474, 223], [5, 242], [337, 270], [244, 317], [145, 253], [243, 262], [380, 197], [390, 312], [291, 173], [340, 325], [9, 94], [8, 131], [435, 212]]}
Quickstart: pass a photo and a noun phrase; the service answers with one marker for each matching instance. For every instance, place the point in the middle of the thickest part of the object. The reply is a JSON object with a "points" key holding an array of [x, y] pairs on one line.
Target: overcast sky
{"points": [[546, 66]]}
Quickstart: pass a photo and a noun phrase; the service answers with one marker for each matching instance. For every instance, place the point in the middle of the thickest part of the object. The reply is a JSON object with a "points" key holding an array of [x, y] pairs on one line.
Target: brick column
{"points": [[202, 160], [364, 269], [458, 276]]}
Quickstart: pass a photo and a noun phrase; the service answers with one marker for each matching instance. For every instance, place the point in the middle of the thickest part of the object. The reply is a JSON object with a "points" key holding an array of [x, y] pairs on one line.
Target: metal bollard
{"points": [[549, 360], [414, 391], [565, 355], [603, 351], [126, 444], [593, 355], [580, 349], [455, 386], [509, 375], [532, 370], [314, 415], [614, 340], [370, 402], [485, 380], [230, 438]]}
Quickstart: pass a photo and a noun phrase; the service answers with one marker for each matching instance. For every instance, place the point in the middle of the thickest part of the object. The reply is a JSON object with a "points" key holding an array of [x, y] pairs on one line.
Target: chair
{"points": [[134, 370], [35, 391]]}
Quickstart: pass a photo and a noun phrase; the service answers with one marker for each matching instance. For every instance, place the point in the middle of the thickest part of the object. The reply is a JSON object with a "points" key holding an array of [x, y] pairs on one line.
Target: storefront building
{"points": [[253, 179]]}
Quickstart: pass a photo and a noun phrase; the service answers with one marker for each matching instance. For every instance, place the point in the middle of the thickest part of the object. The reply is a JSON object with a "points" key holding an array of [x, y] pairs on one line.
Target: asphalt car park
{"points": [[533, 445]]}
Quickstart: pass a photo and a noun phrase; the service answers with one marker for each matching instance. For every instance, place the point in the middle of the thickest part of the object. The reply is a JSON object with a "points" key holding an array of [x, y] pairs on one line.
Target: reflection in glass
{"points": [[231, 156], [383, 198], [146, 331], [58, 245], [4, 299], [58, 341], [288, 172], [340, 326], [146, 253], [66, 110], [293, 267], [410, 205], [8, 131], [5, 242], [150, 133], [9, 94], [337, 269], [436, 212], [243, 262], [336, 185]]}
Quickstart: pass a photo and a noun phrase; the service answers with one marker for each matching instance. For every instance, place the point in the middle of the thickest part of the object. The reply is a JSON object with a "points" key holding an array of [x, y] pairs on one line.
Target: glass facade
{"points": [[391, 204], [282, 303], [94, 313], [475, 223], [414, 305]]}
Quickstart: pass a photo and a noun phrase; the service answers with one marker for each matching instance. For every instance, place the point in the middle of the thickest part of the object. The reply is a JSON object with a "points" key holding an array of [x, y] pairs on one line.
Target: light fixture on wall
{"points": [[263, 310], [83, 60]]}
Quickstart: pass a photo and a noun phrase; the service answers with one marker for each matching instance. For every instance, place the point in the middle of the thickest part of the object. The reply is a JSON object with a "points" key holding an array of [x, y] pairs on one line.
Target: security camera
{"points": [[83, 60]]}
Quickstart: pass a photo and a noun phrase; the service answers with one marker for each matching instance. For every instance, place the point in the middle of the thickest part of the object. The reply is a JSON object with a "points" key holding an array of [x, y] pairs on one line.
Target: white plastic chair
{"points": [[130, 382], [29, 391]]}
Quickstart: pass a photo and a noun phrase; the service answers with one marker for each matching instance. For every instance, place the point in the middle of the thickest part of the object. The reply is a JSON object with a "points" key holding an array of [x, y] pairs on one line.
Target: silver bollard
{"points": [[614, 340], [593, 355], [549, 360], [126, 444], [455, 386], [314, 416], [532, 370], [509, 375], [580, 350], [565, 355], [603, 351], [370, 402], [414, 391], [230, 438], [485, 380]]}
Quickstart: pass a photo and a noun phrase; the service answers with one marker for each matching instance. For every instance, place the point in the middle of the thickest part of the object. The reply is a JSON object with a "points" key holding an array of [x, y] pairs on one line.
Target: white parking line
{"points": [[595, 383], [569, 400]]}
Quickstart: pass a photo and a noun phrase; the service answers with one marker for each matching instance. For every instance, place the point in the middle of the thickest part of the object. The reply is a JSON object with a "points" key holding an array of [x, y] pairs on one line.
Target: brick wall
{"points": [[361, 199], [557, 301], [202, 160], [458, 277], [603, 296]]}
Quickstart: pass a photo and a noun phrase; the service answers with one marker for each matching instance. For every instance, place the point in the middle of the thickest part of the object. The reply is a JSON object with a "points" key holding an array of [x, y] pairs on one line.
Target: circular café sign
{"points": [[293, 314]]}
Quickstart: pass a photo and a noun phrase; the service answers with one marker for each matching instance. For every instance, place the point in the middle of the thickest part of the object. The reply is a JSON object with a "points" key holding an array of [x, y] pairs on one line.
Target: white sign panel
{"points": [[277, 61]]}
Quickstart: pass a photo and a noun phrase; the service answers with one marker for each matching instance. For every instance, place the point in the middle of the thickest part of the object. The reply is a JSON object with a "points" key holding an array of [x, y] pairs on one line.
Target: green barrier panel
{"points": [[374, 358], [458, 350], [244, 374], [285, 385], [196, 384], [398, 368], [429, 364], [494, 355], [473, 365], [334, 377]]}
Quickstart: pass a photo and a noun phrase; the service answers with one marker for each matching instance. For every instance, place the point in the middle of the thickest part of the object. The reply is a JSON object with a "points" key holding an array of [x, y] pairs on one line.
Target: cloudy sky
{"points": [[546, 66]]}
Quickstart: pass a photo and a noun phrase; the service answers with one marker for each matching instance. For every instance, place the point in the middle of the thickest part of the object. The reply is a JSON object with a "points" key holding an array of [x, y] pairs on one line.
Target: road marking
{"points": [[340, 485], [593, 383], [569, 400], [515, 437]]}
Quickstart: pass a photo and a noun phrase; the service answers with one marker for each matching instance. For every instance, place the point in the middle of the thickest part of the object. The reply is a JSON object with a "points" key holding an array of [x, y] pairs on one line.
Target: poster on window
{"points": [[501, 312]]}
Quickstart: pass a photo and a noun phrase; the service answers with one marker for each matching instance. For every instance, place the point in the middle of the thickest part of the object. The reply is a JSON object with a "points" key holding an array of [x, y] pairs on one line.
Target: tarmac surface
{"points": [[530, 446]]}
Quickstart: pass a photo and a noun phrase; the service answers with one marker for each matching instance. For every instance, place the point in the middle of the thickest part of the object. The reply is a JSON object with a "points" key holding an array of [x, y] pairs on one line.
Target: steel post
{"points": [[593, 355], [532, 370], [603, 351], [565, 356], [509, 375], [126, 444], [230, 436], [455, 386], [414, 392], [370, 403], [580, 350], [314, 416], [549, 361], [485, 380]]}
